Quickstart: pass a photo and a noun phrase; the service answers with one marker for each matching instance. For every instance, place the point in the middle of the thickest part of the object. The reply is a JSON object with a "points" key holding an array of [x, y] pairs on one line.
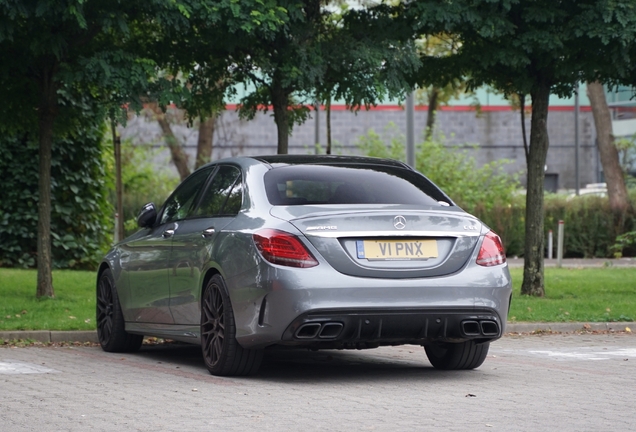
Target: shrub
{"points": [[451, 169], [143, 179], [80, 224], [591, 229]]}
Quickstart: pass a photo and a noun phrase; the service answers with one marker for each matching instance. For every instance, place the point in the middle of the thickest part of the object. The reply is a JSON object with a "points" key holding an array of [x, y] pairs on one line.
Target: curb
{"points": [[46, 336], [568, 327], [514, 262]]}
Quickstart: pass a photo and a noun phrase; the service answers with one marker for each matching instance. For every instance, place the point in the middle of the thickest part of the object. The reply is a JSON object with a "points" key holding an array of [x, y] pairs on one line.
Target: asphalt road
{"points": [[565, 382]]}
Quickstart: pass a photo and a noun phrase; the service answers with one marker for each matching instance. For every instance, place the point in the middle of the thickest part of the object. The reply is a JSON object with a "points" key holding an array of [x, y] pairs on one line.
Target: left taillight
{"points": [[492, 251], [279, 247]]}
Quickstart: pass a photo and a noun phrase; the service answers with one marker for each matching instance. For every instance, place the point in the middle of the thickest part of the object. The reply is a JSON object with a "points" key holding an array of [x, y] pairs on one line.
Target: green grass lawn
{"points": [[573, 294], [73, 307], [590, 295]]}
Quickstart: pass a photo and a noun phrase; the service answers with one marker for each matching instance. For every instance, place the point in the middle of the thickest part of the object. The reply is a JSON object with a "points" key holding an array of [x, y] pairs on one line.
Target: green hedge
{"points": [[590, 227], [81, 217]]}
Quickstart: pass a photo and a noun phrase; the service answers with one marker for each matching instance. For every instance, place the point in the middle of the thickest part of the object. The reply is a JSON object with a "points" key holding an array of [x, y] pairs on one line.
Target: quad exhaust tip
{"points": [[328, 330], [489, 328], [480, 328]]}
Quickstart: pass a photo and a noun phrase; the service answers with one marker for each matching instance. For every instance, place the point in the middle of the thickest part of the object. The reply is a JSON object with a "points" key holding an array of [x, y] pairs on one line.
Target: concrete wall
{"points": [[487, 135]]}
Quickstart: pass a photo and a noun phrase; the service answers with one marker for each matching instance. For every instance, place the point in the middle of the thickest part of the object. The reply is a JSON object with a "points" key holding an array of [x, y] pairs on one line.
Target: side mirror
{"points": [[147, 216]]}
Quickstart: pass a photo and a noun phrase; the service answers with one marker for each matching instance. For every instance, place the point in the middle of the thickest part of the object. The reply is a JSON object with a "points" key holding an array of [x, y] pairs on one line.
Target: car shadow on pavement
{"points": [[294, 365]]}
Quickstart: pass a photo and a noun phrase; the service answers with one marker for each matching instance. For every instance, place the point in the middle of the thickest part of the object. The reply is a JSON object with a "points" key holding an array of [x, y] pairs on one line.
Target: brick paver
{"points": [[566, 382]]}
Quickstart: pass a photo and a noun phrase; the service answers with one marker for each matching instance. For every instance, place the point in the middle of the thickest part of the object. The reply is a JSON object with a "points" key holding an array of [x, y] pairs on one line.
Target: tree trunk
{"points": [[280, 101], [179, 157], [46, 117], [433, 104], [616, 189], [205, 141], [533, 280]]}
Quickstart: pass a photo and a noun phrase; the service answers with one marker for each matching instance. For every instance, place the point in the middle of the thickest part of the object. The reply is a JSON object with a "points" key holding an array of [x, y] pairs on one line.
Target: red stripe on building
{"points": [[459, 108]]}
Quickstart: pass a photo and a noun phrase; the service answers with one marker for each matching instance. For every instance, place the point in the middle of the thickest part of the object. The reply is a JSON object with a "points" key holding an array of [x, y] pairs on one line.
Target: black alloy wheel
{"points": [[110, 319], [221, 352]]}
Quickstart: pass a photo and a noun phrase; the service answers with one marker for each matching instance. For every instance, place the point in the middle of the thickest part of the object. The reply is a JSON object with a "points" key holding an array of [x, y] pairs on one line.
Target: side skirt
{"points": [[181, 333]]}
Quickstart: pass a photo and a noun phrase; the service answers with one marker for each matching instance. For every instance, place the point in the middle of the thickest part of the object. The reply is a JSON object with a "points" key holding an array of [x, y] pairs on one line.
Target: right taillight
{"points": [[492, 251], [279, 247]]}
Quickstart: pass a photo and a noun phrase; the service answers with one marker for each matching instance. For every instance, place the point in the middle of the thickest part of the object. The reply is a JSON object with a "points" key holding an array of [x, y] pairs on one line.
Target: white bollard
{"points": [[560, 244], [550, 244]]}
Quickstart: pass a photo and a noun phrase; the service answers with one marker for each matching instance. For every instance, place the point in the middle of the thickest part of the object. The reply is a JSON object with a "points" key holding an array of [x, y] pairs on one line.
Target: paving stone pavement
{"points": [[565, 382]]}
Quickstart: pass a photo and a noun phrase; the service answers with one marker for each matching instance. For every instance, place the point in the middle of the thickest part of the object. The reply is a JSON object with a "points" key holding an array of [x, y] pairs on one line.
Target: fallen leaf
{"points": [[72, 317], [628, 330], [87, 320], [608, 310], [18, 316], [23, 312], [587, 326]]}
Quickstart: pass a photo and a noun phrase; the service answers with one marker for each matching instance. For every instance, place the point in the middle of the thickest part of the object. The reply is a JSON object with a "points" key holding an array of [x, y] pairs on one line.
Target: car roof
{"points": [[284, 160]]}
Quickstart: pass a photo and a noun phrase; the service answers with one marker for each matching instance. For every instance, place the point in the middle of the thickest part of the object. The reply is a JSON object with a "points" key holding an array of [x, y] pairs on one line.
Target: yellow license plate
{"points": [[396, 249]]}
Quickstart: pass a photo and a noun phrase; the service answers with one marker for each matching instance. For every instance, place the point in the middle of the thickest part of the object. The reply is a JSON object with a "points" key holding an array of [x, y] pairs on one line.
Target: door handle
{"points": [[208, 232], [167, 233]]}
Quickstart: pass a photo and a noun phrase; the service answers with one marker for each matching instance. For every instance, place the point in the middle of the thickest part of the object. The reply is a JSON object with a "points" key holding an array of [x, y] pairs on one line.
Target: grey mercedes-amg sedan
{"points": [[317, 252]]}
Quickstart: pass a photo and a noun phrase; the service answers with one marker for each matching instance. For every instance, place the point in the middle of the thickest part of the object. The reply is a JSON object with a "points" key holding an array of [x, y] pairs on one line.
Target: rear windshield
{"points": [[359, 184]]}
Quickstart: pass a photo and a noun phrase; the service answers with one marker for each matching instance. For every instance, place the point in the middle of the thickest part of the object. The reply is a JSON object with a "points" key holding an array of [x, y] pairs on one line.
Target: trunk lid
{"points": [[391, 241]]}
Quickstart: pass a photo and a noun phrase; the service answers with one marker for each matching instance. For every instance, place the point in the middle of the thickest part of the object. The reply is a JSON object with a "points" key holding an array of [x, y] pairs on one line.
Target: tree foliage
{"points": [[537, 48], [74, 47]]}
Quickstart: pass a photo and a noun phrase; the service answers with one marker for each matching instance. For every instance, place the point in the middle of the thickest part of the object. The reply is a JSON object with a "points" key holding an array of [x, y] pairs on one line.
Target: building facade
{"points": [[491, 133]]}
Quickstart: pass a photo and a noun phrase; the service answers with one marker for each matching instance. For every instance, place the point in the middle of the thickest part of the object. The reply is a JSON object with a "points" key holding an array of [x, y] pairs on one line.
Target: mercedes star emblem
{"points": [[399, 222]]}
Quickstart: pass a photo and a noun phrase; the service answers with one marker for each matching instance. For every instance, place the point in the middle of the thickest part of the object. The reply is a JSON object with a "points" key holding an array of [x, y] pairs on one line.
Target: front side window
{"points": [[224, 196], [181, 201]]}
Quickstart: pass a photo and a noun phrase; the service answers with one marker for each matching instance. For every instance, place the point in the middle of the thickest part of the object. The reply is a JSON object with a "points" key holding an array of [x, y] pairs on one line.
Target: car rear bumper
{"points": [[331, 310], [371, 328]]}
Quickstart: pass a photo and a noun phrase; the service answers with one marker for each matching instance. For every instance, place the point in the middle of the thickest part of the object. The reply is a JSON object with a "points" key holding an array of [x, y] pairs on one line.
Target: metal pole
{"points": [[410, 130], [119, 189], [576, 139], [550, 244], [560, 244], [317, 127], [116, 238]]}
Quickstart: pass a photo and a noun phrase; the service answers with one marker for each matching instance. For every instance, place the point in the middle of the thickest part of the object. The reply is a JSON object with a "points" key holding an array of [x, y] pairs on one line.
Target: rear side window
{"points": [[360, 184]]}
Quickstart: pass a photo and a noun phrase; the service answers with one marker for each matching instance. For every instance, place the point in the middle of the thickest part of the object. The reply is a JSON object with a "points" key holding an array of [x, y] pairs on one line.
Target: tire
{"points": [[222, 353], [110, 319], [457, 356]]}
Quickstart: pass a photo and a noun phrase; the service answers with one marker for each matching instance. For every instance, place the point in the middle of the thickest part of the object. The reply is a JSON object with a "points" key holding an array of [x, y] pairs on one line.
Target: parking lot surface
{"points": [[570, 382]]}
